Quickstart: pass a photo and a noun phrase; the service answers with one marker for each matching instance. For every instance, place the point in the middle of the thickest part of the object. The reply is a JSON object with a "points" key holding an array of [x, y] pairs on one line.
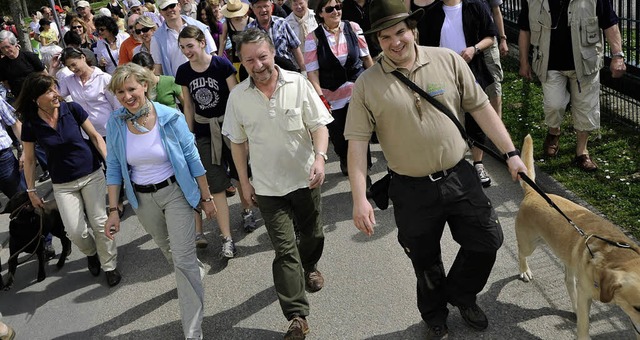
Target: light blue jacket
{"points": [[179, 144]]}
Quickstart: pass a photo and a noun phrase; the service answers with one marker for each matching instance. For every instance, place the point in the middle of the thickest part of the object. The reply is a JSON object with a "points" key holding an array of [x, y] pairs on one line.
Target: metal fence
{"points": [[620, 98]]}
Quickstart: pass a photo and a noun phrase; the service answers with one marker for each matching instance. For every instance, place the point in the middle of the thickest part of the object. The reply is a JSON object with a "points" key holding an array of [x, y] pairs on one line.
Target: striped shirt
{"points": [[7, 119], [283, 37], [341, 96]]}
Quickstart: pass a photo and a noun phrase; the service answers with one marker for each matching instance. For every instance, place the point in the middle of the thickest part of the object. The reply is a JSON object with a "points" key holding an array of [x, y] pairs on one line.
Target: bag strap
{"points": [[111, 55], [448, 113]]}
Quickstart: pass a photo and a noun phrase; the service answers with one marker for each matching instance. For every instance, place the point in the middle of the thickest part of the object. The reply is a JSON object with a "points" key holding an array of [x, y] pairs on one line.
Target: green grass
{"points": [[615, 188]]}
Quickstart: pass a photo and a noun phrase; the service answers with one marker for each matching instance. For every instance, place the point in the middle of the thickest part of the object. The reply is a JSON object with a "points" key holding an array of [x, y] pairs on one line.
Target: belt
{"points": [[434, 177], [145, 189]]}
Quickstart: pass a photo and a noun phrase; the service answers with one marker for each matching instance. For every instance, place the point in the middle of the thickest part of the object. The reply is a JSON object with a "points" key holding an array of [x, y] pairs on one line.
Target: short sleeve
{"points": [[78, 112], [182, 74], [156, 53], [362, 41], [232, 126], [311, 52]]}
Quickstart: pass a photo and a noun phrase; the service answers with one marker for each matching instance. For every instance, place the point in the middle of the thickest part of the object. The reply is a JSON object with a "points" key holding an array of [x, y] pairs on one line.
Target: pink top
{"points": [[341, 96]]}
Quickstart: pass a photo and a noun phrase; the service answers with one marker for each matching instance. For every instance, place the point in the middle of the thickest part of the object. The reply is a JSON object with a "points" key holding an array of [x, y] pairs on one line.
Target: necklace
{"points": [[134, 117]]}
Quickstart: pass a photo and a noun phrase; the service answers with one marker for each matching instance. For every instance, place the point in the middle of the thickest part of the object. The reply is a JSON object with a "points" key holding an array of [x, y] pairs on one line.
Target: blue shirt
{"points": [[69, 155], [6, 119], [282, 35]]}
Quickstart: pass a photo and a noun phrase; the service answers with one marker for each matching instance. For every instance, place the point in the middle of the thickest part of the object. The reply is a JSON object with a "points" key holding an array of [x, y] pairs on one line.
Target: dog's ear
{"points": [[609, 283]]}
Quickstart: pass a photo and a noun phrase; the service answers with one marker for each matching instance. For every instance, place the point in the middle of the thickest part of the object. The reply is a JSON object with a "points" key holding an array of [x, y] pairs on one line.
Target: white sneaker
{"points": [[201, 241], [228, 248], [483, 175]]}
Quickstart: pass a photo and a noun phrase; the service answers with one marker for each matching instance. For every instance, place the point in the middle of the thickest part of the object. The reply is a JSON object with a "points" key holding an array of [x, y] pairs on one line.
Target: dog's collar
{"points": [[613, 243]]}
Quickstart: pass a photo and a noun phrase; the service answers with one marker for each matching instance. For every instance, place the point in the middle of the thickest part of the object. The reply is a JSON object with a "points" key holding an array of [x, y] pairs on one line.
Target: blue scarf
{"points": [[133, 117]]}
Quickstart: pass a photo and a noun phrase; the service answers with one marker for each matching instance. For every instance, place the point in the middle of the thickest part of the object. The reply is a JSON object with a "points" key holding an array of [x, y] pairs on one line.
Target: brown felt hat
{"points": [[386, 13]]}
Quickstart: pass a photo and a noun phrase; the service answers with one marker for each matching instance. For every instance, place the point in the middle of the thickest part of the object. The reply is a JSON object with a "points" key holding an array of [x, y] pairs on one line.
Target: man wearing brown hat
{"points": [[431, 182]]}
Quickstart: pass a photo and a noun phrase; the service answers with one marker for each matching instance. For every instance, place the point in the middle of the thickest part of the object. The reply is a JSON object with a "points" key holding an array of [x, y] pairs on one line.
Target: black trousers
{"points": [[421, 208], [336, 134]]}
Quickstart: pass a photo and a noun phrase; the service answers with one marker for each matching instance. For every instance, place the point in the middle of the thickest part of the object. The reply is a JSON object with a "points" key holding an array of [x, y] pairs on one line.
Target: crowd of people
{"points": [[174, 105]]}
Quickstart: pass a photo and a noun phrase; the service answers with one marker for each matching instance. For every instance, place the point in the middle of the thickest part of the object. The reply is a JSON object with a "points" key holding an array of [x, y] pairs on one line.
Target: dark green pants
{"points": [[291, 261]]}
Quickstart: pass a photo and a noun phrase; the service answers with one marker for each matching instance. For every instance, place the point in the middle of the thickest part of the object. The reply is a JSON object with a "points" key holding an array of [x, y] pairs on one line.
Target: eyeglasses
{"points": [[143, 30], [76, 27], [79, 9], [172, 6], [329, 9]]}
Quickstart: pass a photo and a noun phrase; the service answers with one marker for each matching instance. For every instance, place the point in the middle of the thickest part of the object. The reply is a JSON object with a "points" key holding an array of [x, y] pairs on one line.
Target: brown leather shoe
{"points": [[585, 163], [550, 146], [298, 329], [313, 281]]}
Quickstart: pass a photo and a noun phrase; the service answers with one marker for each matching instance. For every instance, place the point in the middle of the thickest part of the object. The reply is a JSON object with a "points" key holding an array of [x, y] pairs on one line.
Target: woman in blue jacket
{"points": [[150, 147]]}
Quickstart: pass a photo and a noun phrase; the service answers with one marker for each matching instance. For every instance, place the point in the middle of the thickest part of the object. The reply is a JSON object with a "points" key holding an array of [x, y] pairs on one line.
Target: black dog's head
{"points": [[18, 203]]}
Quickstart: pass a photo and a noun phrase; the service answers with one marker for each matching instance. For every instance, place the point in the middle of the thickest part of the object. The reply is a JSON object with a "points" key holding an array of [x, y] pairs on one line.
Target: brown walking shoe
{"points": [[313, 281], [298, 329], [11, 334], [585, 163], [550, 146]]}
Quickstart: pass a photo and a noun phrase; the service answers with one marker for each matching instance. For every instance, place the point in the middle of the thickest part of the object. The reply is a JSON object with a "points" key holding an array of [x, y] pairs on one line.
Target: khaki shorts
{"points": [[562, 87], [492, 59]]}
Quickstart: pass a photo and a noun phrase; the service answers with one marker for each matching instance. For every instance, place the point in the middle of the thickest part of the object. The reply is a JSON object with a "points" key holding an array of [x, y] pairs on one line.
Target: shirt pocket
{"points": [[293, 119]]}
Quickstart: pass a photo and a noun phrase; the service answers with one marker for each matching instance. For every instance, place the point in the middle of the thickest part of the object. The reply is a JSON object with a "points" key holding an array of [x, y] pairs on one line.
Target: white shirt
{"points": [[147, 157], [176, 57], [308, 19], [452, 34], [103, 51], [93, 96]]}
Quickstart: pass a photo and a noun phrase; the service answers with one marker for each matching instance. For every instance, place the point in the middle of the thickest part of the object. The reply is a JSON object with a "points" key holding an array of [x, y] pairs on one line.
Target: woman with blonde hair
{"points": [[79, 26], [144, 29], [150, 147]]}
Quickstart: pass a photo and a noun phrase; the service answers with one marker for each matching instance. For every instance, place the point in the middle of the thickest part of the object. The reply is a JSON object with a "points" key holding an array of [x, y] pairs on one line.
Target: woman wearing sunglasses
{"points": [[144, 28], [336, 53], [79, 26]]}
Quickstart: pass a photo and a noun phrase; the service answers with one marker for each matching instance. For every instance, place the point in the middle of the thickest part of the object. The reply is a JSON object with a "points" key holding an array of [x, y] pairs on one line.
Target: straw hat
{"points": [[235, 9], [386, 13]]}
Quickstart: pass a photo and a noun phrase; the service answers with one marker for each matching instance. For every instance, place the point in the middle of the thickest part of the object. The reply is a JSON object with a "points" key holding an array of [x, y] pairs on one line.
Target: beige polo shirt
{"points": [[415, 142], [278, 130]]}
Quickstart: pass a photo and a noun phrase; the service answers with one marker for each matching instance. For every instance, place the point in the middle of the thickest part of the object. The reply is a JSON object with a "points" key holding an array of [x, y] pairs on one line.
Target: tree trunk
{"points": [[18, 18], [25, 8]]}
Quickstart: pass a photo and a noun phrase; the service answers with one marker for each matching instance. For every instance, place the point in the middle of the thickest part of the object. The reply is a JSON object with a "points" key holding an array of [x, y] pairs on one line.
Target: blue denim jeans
{"points": [[11, 178]]}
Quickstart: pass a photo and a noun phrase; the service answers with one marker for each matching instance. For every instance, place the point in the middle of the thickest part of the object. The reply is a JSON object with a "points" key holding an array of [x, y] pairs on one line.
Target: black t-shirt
{"points": [[209, 90], [351, 11], [16, 70]]}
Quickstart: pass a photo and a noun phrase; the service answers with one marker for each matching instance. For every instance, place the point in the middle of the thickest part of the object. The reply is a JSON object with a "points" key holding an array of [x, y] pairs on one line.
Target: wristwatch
{"points": [[323, 154], [618, 55]]}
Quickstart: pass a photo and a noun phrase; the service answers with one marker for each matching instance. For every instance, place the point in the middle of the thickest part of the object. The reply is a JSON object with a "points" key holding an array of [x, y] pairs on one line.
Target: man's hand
{"points": [[515, 166], [525, 70], [468, 53], [210, 209], [316, 174], [249, 194], [617, 67], [504, 47], [363, 217]]}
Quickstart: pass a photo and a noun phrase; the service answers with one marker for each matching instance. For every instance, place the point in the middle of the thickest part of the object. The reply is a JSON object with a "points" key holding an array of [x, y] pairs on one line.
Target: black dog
{"points": [[25, 234]]}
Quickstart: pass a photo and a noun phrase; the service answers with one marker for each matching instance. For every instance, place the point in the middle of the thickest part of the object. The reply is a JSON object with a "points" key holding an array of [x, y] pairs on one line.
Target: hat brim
{"points": [[239, 13], [417, 15]]}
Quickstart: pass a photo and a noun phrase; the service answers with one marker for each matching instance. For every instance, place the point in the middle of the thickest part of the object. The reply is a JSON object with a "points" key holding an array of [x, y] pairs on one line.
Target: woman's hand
{"points": [[36, 201], [112, 226], [209, 208]]}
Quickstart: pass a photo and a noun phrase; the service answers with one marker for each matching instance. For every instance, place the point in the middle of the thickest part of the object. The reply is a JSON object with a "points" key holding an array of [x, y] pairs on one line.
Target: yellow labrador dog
{"points": [[594, 268]]}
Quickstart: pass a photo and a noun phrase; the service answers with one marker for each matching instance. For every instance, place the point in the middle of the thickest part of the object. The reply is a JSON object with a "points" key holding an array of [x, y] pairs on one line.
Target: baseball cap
{"points": [[104, 12], [134, 3], [162, 4], [83, 4]]}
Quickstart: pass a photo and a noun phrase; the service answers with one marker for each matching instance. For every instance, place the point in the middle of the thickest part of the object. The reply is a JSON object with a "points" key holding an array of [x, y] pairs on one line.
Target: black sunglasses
{"points": [[172, 6], [143, 30], [329, 9], [76, 27]]}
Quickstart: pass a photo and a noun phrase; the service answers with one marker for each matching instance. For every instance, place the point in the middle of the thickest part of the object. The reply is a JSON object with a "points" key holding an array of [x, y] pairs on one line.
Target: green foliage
{"points": [[615, 188]]}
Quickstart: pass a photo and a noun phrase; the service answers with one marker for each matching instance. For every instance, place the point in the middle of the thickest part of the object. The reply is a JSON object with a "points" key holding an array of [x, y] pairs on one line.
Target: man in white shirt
{"points": [[302, 20], [188, 8], [164, 44]]}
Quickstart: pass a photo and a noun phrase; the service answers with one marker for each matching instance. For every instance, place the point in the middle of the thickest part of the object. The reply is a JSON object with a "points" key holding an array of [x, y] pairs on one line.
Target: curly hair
{"points": [[107, 22]]}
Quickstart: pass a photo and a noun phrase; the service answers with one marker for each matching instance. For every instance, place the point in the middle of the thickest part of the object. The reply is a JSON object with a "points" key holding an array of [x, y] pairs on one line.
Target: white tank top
{"points": [[452, 34], [147, 157]]}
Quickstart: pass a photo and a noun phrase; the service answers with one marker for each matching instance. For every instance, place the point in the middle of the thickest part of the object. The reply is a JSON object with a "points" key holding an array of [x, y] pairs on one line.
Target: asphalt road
{"points": [[369, 291]]}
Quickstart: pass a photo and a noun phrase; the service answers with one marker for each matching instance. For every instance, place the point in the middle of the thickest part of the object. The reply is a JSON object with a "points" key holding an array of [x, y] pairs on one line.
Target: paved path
{"points": [[369, 292]]}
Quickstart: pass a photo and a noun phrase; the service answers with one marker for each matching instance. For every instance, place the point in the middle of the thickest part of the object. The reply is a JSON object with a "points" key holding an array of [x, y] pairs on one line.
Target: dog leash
{"points": [[471, 142]]}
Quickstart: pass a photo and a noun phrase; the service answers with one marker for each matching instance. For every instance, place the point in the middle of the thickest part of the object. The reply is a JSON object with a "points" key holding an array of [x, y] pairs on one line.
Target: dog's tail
{"points": [[527, 158]]}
